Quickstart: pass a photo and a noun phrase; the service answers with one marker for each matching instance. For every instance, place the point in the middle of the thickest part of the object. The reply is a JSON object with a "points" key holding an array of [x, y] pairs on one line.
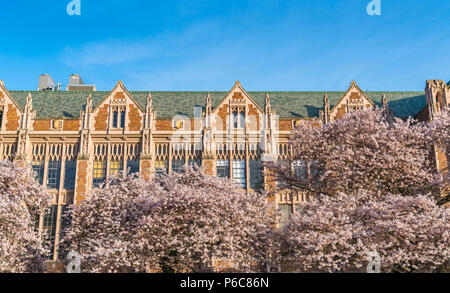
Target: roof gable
{"points": [[119, 93], [353, 96], [6, 95], [235, 94]]}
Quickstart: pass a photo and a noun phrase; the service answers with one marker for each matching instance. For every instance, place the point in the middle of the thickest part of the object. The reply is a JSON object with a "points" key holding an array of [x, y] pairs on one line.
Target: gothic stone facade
{"points": [[76, 139]]}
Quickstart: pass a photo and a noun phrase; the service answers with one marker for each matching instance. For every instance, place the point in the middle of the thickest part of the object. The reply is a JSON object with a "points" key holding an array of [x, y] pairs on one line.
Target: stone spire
{"points": [[326, 109], [208, 143], [267, 113], [28, 105], [149, 103], [26, 117], [23, 144], [85, 141], [87, 112], [147, 137], [384, 101], [388, 114], [268, 106], [89, 102], [148, 112], [208, 104]]}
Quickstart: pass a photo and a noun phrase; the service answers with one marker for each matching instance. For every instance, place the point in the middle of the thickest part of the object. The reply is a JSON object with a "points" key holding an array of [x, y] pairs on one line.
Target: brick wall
{"points": [[341, 111], [135, 119], [285, 125], [42, 125], [101, 119], [442, 160], [222, 114], [146, 168], [82, 180], [162, 125], [71, 125], [209, 165], [254, 118], [12, 118]]}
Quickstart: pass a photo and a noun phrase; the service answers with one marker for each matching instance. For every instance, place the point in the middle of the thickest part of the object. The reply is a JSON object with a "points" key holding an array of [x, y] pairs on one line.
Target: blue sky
{"points": [[208, 45]]}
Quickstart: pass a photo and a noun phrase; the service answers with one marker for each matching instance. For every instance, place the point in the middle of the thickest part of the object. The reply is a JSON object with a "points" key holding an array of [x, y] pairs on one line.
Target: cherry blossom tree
{"points": [[337, 233], [185, 222], [103, 227], [440, 132], [440, 127], [21, 200], [364, 150]]}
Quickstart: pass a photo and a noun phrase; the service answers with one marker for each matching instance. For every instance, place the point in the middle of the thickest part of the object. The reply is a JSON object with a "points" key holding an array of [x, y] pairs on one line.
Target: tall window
{"points": [[238, 118], [133, 166], [177, 165], [70, 174], [287, 211], [239, 173], [223, 168], [54, 173], [122, 118], [115, 117], [99, 173], [242, 119], [255, 174], [64, 221], [38, 169], [235, 120], [161, 167], [195, 162], [49, 226], [118, 117], [1, 117], [299, 169], [115, 167]]}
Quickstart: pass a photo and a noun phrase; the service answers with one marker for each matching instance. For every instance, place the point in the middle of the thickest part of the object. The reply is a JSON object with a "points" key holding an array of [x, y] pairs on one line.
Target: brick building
{"points": [[75, 139]]}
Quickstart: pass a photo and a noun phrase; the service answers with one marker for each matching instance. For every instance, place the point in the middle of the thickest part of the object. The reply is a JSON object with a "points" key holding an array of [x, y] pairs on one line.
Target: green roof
{"points": [[298, 104]]}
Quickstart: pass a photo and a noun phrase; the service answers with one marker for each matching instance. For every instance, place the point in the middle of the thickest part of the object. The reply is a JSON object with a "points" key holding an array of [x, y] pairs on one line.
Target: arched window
{"points": [[118, 117]]}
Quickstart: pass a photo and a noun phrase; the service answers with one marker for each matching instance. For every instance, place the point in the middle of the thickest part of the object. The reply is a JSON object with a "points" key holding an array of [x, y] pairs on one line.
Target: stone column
{"points": [[147, 167], [83, 179], [84, 159], [209, 164]]}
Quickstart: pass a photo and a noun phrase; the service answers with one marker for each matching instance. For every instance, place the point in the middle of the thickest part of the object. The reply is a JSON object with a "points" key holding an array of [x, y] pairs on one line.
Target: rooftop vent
{"points": [[75, 79], [76, 83], [46, 83]]}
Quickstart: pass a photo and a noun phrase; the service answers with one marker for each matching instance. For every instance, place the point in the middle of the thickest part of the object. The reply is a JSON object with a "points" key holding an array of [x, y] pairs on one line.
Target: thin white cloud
{"points": [[120, 51], [108, 52]]}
